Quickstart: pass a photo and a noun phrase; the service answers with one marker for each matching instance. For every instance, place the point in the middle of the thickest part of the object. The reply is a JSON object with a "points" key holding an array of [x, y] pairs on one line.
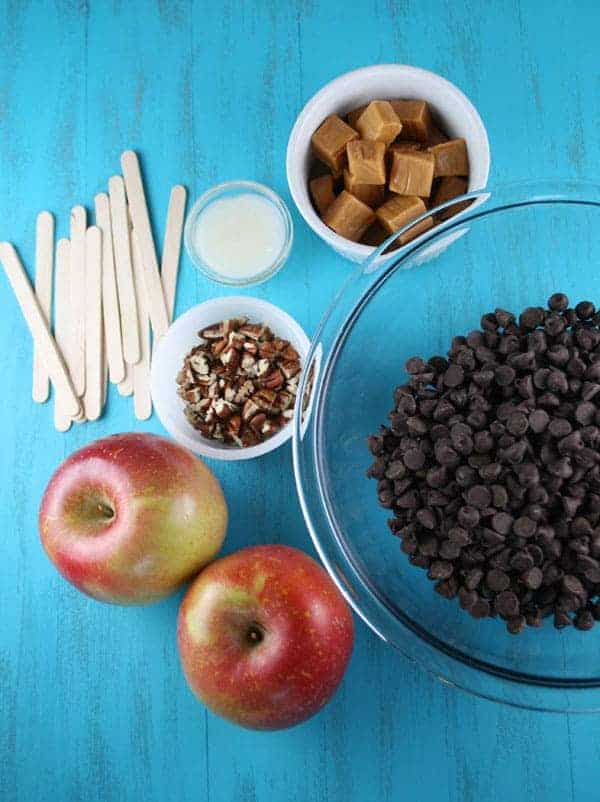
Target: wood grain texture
{"points": [[93, 705]]}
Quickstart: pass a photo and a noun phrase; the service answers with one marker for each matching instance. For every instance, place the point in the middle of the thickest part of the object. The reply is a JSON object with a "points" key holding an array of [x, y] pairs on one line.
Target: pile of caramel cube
{"points": [[387, 164]]}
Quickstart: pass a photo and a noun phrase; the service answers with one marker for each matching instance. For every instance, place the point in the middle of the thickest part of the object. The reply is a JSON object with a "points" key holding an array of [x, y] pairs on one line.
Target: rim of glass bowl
{"points": [[211, 195], [447, 663]]}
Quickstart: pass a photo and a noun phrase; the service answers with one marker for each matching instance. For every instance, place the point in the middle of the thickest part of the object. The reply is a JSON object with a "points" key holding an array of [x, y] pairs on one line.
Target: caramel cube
{"points": [[399, 211], [375, 235], [415, 117], [348, 216], [436, 137], [379, 122], [450, 187], [451, 158], [322, 192], [329, 142], [404, 146], [371, 194], [366, 161], [353, 116], [412, 173]]}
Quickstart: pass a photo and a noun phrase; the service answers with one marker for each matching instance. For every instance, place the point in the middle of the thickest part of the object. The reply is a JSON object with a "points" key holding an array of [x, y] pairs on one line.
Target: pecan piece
{"points": [[290, 353], [253, 331], [264, 399], [262, 367], [244, 392], [258, 421], [230, 358], [272, 381], [214, 332], [199, 362], [250, 409], [223, 409], [267, 350], [290, 367], [219, 346]]}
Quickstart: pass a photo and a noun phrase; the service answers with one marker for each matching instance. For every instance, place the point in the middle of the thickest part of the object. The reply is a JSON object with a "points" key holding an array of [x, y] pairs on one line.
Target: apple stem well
{"points": [[254, 634], [93, 509]]}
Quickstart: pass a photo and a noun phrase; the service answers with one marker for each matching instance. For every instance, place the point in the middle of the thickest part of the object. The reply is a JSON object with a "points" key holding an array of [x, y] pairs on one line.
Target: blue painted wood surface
{"points": [[93, 705]]}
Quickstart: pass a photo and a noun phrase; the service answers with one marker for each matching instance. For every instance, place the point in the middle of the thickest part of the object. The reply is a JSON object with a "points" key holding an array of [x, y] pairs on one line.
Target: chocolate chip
{"points": [[507, 604], [516, 624], [454, 376], [558, 302], [479, 496], [497, 580], [532, 578]]}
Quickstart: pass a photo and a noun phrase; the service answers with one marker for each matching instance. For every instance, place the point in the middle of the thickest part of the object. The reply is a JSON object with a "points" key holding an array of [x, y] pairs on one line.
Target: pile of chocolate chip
{"points": [[491, 466], [240, 383]]}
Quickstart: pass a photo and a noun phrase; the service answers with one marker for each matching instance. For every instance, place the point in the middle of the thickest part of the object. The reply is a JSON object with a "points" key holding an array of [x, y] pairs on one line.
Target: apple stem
{"points": [[105, 510], [254, 634]]}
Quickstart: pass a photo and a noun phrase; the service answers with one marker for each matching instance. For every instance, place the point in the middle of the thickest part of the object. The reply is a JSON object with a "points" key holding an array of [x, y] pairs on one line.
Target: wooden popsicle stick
{"points": [[172, 246], [113, 345], [105, 376], [38, 326], [92, 399], [44, 256], [77, 358], [124, 270], [138, 208], [125, 387], [142, 401], [62, 326]]}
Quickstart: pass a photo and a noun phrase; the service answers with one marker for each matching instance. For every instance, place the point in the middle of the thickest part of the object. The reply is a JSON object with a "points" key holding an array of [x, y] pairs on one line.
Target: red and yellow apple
{"points": [[264, 637], [129, 518]]}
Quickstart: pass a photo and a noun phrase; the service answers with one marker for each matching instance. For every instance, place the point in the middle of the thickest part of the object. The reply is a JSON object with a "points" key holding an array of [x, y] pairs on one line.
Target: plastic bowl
{"points": [[511, 251], [181, 337], [453, 110]]}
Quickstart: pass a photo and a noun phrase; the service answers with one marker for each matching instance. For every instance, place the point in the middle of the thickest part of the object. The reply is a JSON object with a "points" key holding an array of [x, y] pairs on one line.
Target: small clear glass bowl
{"points": [[228, 190], [512, 248]]}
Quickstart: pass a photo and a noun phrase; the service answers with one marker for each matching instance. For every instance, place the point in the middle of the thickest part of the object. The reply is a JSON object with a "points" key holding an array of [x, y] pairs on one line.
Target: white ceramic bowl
{"points": [[452, 109], [181, 337]]}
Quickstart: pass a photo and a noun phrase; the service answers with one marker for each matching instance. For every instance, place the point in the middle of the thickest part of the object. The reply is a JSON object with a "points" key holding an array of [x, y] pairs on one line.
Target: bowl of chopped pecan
{"points": [[225, 377]]}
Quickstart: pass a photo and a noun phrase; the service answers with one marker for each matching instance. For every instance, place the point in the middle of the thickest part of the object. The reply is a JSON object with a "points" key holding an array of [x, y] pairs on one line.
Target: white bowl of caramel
{"points": [[379, 147]]}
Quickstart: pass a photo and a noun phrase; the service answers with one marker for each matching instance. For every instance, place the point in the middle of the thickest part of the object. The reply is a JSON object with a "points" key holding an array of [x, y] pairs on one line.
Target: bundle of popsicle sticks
{"points": [[111, 297]]}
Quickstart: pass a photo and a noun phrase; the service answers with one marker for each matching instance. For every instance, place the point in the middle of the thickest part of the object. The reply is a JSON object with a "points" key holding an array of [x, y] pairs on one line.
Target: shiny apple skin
{"points": [[307, 637], [169, 520]]}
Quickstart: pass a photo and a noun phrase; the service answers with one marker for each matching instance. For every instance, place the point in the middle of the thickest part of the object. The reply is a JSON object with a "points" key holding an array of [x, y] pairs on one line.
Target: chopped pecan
{"points": [[253, 331], [251, 347], [290, 353], [215, 332], [230, 358], [218, 346], [244, 392], [258, 421], [236, 340], [249, 364], [250, 409], [262, 367], [223, 409], [200, 363], [284, 400], [267, 350], [290, 367], [273, 380], [264, 399]]}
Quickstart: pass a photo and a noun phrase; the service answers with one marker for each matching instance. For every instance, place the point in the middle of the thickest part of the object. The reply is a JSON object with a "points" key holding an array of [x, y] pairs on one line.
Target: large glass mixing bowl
{"points": [[511, 249]]}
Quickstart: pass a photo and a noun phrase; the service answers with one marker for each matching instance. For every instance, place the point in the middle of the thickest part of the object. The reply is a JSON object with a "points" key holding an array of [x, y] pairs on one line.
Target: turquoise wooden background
{"points": [[92, 702]]}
